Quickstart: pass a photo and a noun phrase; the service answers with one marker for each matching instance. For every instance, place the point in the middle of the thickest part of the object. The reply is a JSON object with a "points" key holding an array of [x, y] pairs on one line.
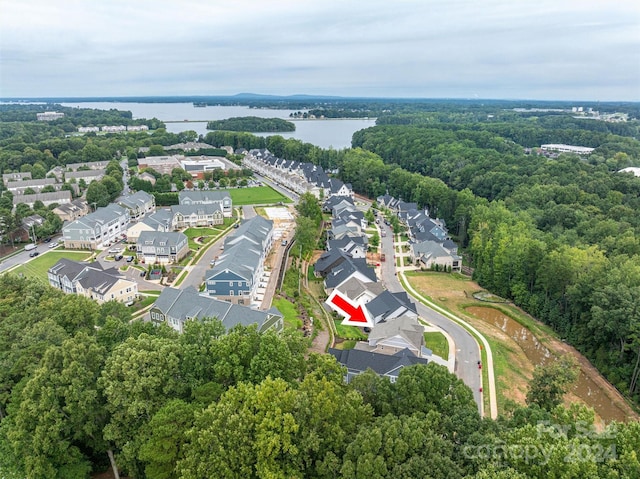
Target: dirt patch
{"points": [[456, 294]]}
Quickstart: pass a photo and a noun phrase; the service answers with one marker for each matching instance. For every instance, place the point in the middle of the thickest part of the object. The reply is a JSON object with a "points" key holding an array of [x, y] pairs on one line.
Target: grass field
{"points": [[437, 343], [348, 332], [291, 320], [256, 196], [37, 268]]}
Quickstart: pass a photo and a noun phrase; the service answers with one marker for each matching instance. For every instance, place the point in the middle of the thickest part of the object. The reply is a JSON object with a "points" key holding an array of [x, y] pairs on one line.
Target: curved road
{"points": [[467, 350]]}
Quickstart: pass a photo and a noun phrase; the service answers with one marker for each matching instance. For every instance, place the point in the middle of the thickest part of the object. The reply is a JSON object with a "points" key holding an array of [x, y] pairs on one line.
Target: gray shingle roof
{"points": [[189, 304], [360, 361]]}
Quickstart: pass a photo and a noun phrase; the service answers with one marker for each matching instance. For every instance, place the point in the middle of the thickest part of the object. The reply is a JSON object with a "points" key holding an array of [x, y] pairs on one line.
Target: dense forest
{"points": [[83, 389], [252, 124]]}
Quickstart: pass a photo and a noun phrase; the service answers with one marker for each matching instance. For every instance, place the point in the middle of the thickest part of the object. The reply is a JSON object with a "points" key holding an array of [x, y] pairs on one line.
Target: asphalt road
{"points": [[467, 350]]}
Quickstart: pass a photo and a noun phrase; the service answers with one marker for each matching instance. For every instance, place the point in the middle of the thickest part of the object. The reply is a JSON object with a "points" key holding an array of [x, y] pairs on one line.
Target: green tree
{"points": [[138, 378], [60, 413], [306, 235], [309, 207], [97, 194], [164, 438], [550, 382]]}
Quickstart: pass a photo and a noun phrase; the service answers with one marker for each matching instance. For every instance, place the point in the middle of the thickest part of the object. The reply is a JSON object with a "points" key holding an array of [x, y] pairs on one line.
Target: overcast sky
{"points": [[534, 49]]}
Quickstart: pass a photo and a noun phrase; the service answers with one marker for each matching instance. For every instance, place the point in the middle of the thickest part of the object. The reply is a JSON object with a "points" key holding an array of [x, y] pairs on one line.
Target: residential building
{"points": [[88, 129], [20, 176], [154, 247], [57, 197], [393, 336], [177, 306], [18, 187], [560, 148], [389, 306], [98, 229], [208, 197], [49, 116], [139, 204], [357, 362], [85, 175], [192, 215], [236, 274], [91, 281], [91, 165], [160, 220], [72, 211], [430, 254]]}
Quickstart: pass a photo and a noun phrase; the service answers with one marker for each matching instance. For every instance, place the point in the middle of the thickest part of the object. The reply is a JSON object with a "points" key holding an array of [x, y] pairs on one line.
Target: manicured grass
{"points": [[348, 344], [348, 332], [197, 232], [37, 268], [259, 195], [290, 313], [437, 343]]}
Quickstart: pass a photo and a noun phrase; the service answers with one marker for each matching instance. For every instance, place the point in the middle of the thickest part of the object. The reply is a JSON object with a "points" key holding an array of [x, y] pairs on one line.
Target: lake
{"points": [[179, 117]]}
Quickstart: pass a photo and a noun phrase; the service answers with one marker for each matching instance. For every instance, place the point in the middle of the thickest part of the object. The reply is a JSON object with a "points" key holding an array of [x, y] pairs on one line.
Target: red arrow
{"points": [[353, 314]]}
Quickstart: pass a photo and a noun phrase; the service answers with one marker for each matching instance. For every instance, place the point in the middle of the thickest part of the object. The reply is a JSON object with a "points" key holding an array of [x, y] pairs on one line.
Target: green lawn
{"points": [[437, 343], [348, 332], [290, 313], [256, 195], [37, 268]]}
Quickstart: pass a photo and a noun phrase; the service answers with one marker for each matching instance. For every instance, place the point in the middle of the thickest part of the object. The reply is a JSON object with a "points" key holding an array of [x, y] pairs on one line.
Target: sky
{"points": [[503, 49]]}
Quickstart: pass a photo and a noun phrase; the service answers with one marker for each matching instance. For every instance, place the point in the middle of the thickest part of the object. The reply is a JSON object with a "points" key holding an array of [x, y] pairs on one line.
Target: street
{"points": [[467, 351]]}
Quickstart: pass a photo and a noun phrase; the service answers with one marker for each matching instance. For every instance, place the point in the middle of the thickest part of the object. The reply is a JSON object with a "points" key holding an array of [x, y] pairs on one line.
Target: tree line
{"points": [[252, 124]]}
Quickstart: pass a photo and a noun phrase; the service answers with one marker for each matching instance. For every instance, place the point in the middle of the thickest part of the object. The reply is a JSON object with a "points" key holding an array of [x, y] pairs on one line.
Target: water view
{"points": [[184, 116]]}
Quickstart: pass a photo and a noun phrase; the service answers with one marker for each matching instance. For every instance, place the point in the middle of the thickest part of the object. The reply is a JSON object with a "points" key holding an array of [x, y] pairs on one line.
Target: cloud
{"points": [[548, 49]]}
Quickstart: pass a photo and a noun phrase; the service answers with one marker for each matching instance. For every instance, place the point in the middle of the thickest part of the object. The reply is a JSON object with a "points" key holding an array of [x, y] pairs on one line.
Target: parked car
{"points": [[118, 257], [46, 240], [143, 273], [34, 254], [52, 245], [129, 259]]}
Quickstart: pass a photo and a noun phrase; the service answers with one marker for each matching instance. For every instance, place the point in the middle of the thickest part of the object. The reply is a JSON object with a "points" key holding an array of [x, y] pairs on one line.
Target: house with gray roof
{"points": [[430, 255], [156, 247], [198, 214], [208, 197], [236, 274], [72, 211], [177, 306], [139, 204], [92, 281], [357, 362], [403, 332], [355, 246], [98, 229], [57, 197], [388, 306], [19, 187], [160, 220], [19, 176], [353, 267], [85, 175]]}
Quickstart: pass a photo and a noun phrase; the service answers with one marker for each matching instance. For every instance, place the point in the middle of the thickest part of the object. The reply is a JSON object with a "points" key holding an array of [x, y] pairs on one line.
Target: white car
{"points": [[53, 245]]}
